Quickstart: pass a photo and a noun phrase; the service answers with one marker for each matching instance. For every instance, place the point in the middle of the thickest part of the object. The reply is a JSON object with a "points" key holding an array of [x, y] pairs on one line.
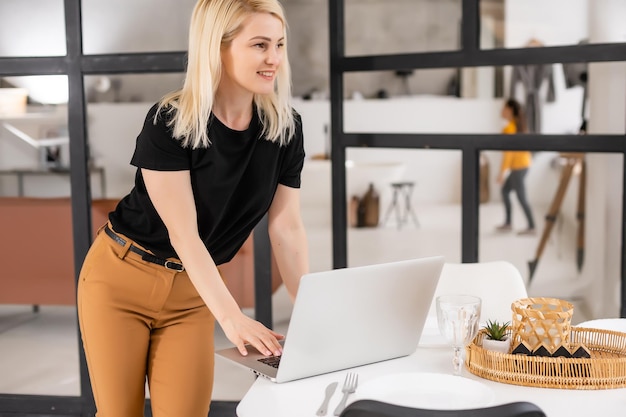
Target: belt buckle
{"points": [[174, 266]]}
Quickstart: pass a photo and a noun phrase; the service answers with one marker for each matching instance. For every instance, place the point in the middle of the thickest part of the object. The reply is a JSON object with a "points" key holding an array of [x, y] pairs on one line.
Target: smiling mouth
{"points": [[266, 74]]}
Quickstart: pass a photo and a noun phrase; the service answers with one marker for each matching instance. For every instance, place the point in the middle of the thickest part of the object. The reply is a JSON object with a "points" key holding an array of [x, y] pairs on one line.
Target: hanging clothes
{"points": [[532, 78]]}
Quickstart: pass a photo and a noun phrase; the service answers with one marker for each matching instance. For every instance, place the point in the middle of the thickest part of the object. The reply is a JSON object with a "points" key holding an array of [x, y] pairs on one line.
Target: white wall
{"points": [[604, 204], [553, 22]]}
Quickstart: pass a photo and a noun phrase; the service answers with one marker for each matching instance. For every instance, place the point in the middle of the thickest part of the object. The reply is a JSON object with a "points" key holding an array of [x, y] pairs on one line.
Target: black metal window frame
{"points": [[469, 55]]}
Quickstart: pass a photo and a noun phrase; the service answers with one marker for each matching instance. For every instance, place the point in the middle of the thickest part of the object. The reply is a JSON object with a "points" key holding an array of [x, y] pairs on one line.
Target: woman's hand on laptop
{"points": [[242, 330]]}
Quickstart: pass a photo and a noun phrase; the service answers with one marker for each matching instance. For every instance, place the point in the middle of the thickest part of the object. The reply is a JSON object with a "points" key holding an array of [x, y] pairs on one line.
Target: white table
{"points": [[302, 398]]}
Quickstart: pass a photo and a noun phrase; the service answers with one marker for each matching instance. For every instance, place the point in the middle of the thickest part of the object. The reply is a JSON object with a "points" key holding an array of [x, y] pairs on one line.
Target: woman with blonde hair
{"points": [[212, 159]]}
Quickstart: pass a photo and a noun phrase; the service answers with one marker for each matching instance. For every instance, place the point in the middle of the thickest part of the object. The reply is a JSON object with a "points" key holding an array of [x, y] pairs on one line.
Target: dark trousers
{"points": [[515, 182]]}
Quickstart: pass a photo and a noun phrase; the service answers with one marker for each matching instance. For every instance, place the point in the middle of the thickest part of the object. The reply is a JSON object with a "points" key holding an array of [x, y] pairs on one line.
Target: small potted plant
{"points": [[496, 337]]}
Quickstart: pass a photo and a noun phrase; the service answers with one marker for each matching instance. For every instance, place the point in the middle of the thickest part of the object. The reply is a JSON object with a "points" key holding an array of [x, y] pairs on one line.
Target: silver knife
{"points": [[330, 389]]}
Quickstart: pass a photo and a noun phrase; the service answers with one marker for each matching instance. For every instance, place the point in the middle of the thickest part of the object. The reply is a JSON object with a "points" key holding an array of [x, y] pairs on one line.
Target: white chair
{"points": [[497, 283]]}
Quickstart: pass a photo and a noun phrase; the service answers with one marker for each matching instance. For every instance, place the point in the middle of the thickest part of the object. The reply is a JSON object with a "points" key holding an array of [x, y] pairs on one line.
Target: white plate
{"points": [[427, 390], [618, 325]]}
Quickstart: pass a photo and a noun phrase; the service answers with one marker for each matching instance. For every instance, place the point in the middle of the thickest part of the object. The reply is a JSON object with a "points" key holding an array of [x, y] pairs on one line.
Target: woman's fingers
{"points": [[273, 345], [267, 344], [253, 333], [242, 348]]}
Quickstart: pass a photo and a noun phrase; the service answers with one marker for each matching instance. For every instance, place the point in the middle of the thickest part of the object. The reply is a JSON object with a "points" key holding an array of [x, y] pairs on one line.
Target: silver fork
{"points": [[349, 386]]}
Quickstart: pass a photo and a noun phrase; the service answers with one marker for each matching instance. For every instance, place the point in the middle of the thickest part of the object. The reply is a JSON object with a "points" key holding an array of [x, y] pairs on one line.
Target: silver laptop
{"points": [[350, 317]]}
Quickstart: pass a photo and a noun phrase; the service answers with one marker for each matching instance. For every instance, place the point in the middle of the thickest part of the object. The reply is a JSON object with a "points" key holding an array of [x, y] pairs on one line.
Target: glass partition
{"points": [[119, 26], [125, 98], [38, 327], [401, 84], [30, 28], [591, 102], [399, 26], [559, 101], [403, 204], [572, 252], [538, 23], [135, 88], [307, 45], [33, 137], [371, 28]]}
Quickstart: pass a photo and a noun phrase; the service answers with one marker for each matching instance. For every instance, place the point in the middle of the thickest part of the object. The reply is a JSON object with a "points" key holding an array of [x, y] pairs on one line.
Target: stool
{"points": [[402, 190]]}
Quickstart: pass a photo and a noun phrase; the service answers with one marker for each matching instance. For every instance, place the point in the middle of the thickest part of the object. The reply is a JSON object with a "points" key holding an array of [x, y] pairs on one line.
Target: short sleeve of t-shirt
{"points": [[294, 158], [157, 149]]}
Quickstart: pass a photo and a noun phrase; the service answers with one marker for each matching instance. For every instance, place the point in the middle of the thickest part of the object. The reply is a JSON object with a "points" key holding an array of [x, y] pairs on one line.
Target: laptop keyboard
{"points": [[272, 361]]}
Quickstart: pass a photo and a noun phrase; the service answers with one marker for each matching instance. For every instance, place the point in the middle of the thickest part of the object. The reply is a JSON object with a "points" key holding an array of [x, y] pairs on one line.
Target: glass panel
{"points": [[416, 211], [32, 28], [307, 43], [39, 90], [125, 98], [119, 26], [380, 167], [536, 23], [136, 88], [575, 201], [401, 84], [316, 209], [315, 191], [38, 328], [427, 100], [33, 116], [401, 26]]}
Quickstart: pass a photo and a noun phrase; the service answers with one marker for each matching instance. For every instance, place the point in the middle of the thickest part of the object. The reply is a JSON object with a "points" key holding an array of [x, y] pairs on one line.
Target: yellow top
{"points": [[514, 159]]}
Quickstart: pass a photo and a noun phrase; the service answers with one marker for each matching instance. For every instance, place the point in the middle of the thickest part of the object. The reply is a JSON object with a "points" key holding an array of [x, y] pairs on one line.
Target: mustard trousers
{"points": [[138, 321]]}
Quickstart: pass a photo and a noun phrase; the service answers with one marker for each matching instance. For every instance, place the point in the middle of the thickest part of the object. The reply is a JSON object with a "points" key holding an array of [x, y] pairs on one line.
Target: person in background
{"points": [[513, 170], [212, 159]]}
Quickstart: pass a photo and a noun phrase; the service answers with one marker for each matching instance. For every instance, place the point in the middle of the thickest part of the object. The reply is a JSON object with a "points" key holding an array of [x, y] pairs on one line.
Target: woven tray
{"points": [[605, 369]]}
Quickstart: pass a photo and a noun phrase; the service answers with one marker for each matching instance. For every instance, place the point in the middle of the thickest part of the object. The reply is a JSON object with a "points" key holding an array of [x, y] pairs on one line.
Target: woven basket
{"points": [[541, 321], [605, 369]]}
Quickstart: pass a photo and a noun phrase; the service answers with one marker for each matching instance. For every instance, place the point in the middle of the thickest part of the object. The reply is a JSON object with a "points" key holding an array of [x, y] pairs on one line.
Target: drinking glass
{"points": [[458, 318]]}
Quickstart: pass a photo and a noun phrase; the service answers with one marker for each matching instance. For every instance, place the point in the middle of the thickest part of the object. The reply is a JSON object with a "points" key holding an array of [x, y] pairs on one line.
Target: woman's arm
{"points": [[505, 165], [288, 237], [172, 196]]}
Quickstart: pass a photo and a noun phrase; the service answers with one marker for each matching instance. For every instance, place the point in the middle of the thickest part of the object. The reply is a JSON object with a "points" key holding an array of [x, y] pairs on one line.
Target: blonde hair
{"points": [[214, 24]]}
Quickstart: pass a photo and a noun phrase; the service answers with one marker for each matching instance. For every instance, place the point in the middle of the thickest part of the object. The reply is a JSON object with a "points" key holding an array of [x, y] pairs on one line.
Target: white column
{"points": [[607, 115]]}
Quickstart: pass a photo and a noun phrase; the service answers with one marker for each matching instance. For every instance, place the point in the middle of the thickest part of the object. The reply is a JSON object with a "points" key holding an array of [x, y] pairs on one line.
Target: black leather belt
{"points": [[144, 255]]}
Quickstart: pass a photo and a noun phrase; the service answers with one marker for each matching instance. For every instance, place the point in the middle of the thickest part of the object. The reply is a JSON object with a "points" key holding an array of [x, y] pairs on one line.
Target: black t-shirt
{"points": [[233, 183]]}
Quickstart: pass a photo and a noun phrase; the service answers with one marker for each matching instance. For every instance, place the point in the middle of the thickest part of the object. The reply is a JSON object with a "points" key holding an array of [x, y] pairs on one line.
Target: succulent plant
{"points": [[496, 330]]}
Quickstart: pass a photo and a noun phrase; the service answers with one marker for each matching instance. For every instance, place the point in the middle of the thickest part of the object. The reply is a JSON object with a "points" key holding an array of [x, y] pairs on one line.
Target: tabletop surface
{"points": [[303, 397]]}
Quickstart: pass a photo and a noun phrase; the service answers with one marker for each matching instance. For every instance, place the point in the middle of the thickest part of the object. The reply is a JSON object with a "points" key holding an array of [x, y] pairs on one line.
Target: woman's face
{"points": [[251, 61], [507, 113]]}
